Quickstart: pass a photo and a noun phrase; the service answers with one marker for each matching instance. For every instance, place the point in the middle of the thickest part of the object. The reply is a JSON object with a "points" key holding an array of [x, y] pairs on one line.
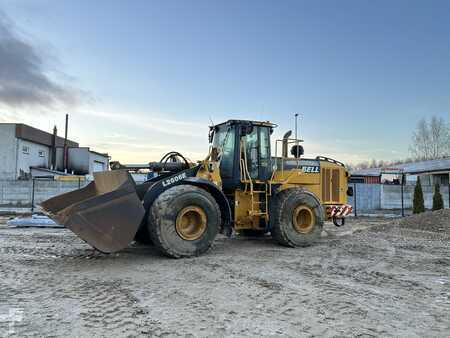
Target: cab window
{"points": [[224, 139], [257, 149]]}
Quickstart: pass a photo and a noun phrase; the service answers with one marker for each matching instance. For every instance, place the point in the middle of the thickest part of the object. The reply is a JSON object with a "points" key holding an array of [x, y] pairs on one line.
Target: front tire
{"points": [[297, 218], [142, 236], [184, 221]]}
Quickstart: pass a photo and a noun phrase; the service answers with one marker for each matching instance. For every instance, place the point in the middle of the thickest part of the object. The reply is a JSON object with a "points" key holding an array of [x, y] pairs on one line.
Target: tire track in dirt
{"points": [[108, 306], [384, 281]]}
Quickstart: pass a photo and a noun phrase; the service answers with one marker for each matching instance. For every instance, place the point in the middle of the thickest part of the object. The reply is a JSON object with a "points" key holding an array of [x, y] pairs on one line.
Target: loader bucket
{"points": [[106, 213]]}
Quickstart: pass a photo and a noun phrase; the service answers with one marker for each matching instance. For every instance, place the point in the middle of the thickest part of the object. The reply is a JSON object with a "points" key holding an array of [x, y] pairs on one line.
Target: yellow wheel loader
{"points": [[240, 186]]}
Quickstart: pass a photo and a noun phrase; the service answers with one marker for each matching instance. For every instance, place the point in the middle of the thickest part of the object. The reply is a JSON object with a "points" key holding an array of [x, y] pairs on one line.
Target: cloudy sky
{"points": [[140, 78]]}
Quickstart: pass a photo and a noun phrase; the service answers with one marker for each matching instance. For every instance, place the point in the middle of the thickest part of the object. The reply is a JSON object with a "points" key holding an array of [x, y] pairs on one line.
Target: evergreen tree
{"points": [[418, 203], [438, 202]]}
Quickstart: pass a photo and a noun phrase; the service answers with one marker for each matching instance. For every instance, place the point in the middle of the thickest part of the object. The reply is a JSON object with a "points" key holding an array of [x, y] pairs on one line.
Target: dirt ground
{"points": [[371, 278]]}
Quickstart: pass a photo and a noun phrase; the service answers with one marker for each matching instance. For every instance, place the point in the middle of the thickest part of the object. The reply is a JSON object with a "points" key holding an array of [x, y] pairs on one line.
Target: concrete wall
{"points": [[16, 194], [380, 196], [8, 150]]}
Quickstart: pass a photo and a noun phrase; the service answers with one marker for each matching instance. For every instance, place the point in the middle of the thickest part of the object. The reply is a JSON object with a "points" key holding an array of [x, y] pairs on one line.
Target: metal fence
{"points": [[367, 197], [376, 197]]}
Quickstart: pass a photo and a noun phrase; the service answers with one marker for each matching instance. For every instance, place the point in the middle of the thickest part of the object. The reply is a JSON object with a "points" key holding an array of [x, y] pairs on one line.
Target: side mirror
{"points": [[211, 134]]}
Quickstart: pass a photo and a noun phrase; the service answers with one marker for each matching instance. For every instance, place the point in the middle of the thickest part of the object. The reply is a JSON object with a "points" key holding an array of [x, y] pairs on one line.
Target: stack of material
{"points": [[438, 221], [35, 220]]}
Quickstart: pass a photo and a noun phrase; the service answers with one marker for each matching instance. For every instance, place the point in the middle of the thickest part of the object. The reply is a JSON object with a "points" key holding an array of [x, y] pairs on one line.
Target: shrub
{"points": [[438, 202], [418, 203]]}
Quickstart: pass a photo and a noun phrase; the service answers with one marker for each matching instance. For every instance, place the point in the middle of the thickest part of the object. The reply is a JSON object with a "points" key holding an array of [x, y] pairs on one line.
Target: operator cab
{"points": [[236, 142]]}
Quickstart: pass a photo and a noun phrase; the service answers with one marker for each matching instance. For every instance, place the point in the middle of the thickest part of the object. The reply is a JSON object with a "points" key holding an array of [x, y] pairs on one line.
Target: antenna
{"points": [[296, 131], [212, 123]]}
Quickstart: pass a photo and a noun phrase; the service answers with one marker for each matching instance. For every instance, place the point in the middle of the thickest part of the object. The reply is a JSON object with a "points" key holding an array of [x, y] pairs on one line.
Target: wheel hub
{"points": [[191, 223], [303, 219]]}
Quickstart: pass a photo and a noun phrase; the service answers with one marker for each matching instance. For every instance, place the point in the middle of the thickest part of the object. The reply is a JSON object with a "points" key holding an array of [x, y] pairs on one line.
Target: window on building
{"points": [[25, 149], [41, 153]]}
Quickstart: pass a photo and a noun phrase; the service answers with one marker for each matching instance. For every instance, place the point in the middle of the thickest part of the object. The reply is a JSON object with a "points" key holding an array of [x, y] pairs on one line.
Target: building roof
{"points": [[97, 153], [28, 133], [420, 167], [367, 172], [89, 150]]}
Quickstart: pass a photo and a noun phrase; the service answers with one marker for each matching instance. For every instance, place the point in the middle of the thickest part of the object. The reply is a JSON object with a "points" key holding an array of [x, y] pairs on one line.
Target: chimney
{"points": [[53, 156]]}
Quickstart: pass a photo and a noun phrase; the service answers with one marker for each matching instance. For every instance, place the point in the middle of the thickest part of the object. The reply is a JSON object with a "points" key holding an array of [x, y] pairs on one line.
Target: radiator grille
{"points": [[330, 185], [326, 185], [335, 185]]}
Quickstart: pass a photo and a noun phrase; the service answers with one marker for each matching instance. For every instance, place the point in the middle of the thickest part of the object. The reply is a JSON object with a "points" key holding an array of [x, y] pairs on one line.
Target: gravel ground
{"points": [[373, 277]]}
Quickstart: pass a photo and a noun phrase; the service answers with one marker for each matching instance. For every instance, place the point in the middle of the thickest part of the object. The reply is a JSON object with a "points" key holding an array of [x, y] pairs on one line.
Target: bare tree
{"points": [[430, 140], [373, 163], [440, 137]]}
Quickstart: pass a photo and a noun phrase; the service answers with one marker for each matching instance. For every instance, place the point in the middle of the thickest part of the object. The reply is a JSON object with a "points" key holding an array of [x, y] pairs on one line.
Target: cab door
{"points": [[257, 151]]}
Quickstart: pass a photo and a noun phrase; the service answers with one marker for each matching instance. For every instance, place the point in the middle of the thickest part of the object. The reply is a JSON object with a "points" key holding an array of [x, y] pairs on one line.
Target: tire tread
{"points": [[276, 213], [157, 211]]}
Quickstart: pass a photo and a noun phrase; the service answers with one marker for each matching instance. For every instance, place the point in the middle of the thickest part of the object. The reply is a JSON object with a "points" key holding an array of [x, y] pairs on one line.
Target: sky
{"points": [[141, 78]]}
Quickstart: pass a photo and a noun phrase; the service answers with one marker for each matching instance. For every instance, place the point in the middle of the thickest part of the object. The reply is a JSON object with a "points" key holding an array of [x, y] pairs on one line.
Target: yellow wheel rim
{"points": [[191, 223], [303, 219]]}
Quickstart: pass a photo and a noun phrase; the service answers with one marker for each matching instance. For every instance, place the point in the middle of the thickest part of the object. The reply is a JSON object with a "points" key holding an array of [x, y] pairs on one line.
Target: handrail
{"points": [[331, 160]]}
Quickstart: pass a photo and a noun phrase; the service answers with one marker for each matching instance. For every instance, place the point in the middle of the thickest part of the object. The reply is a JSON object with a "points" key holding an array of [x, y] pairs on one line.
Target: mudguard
{"points": [[188, 177]]}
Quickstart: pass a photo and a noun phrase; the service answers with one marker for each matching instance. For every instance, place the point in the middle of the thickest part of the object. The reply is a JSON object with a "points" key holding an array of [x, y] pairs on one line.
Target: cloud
{"points": [[24, 77], [146, 122]]}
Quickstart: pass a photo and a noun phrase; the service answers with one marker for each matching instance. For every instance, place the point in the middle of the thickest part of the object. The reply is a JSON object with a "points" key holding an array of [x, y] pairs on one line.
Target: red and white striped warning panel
{"points": [[341, 210]]}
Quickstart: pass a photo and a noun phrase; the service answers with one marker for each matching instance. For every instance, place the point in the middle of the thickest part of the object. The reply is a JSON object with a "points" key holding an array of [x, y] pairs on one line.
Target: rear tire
{"points": [[184, 221], [296, 218]]}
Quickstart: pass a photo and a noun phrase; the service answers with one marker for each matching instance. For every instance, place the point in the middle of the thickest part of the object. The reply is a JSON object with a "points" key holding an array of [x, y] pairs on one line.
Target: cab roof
{"points": [[254, 123]]}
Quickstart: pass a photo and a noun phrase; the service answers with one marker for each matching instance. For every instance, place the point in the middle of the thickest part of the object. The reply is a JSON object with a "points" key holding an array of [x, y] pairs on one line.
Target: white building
{"points": [[25, 150]]}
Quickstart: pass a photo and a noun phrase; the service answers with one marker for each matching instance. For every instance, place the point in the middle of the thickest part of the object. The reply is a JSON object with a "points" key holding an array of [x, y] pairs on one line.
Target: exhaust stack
{"points": [[284, 152]]}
